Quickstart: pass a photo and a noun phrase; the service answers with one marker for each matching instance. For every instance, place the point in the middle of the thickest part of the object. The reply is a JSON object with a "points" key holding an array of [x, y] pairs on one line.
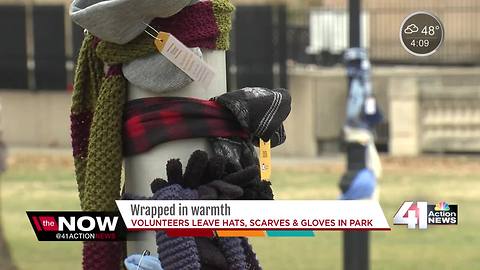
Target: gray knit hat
{"points": [[156, 73], [120, 21]]}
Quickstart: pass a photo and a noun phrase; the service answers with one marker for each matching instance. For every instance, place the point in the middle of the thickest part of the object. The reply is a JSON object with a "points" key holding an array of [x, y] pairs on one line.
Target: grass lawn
{"points": [[46, 183]]}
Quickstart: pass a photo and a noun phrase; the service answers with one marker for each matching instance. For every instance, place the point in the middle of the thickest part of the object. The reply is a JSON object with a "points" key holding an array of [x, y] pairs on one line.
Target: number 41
{"points": [[412, 219]]}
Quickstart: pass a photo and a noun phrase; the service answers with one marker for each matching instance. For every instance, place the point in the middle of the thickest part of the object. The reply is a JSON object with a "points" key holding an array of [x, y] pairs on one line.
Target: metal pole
{"points": [[355, 243], [354, 22]]}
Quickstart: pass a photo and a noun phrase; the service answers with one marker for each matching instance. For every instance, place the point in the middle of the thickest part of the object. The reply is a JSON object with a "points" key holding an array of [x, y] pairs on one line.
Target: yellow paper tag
{"points": [[265, 160], [186, 60], [161, 40]]}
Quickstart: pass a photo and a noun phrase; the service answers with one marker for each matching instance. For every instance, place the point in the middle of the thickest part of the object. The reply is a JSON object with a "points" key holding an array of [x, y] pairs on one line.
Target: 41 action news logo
{"points": [[77, 226], [422, 214]]}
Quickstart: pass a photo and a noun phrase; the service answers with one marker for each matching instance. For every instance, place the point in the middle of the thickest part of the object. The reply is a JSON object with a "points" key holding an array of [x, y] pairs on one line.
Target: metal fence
{"points": [[264, 38], [34, 53], [318, 35]]}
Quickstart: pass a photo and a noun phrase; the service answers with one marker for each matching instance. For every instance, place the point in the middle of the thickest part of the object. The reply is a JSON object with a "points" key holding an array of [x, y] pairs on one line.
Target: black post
{"points": [[355, 250], [355, 243], [282, 46], [354, 17]]}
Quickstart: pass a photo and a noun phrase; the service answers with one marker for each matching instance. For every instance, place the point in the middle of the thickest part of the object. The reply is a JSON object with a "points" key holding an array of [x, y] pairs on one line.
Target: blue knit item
{"points": [[146, 263], [362, 187]]}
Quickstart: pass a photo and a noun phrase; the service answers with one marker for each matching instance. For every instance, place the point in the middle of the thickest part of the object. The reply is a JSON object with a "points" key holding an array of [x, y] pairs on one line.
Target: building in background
{"points": [[430, 103]]}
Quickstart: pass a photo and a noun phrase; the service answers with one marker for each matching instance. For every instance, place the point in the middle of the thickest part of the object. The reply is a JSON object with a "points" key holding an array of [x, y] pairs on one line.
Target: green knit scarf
{"points": [[102, 98]]}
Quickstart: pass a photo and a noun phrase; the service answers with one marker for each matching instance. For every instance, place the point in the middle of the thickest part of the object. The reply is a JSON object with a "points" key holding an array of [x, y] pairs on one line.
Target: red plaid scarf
{"points": [[151, 121]]}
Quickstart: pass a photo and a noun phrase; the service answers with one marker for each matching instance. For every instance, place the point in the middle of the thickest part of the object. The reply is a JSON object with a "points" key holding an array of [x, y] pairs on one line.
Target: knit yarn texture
{"points": [[176, 253], [96, 117], [205, 25], [181, 253]]}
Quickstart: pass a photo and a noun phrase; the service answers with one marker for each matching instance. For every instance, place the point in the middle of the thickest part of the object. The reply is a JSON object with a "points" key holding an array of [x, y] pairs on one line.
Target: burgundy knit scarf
{"points": [[152, 121]]}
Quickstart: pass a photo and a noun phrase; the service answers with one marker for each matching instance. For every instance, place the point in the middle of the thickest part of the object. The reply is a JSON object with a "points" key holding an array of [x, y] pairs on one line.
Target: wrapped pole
{"points": [[118, 63], [141, 169]]}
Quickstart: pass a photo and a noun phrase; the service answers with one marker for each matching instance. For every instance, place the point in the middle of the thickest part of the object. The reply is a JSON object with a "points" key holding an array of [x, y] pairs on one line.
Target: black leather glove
{"points": [[219, 190]]}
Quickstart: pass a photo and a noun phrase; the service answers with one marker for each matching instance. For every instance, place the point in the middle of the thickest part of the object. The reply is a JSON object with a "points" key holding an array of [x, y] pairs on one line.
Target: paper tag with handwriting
{"points": [[265, 160], [186, 60]]}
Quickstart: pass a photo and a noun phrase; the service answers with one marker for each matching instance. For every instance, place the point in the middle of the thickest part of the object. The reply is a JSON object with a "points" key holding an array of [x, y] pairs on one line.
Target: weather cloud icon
{"points": [[411, 28]]}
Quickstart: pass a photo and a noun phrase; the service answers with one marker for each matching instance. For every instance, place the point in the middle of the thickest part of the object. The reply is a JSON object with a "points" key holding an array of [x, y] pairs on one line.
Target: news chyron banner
{"points": [[251, 218]]}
